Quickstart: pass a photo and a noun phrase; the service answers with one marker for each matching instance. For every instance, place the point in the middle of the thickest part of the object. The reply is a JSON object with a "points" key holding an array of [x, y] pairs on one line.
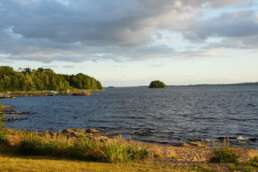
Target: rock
{"points": [[76, 132], [92, 130], [82, 93], [70, 132], [10, 110], [52, 133], [14, 118], [103, 138], [197, 144]]}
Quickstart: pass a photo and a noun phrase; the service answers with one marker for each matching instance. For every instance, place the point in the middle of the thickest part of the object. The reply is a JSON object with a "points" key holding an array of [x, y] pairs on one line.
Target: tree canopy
{"points": [[43, 79], [157, 84]]}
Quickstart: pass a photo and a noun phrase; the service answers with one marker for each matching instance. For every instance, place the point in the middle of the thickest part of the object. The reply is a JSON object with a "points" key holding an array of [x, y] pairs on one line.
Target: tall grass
{"points": [[224, 154], [83, 148], [1, 122]]}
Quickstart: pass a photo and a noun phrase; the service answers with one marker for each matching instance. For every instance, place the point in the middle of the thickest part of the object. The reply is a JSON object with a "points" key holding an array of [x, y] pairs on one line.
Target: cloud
{"points": [[68, 30], [236, 24]]}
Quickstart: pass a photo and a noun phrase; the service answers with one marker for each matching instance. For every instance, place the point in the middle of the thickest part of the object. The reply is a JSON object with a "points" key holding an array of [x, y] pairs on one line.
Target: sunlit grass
{"points": [[84, 147], [21, 164], [82, 151]]}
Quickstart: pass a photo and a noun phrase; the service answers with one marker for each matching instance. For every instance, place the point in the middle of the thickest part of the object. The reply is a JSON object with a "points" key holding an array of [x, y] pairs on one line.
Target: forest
{"points": [[43, 79]]}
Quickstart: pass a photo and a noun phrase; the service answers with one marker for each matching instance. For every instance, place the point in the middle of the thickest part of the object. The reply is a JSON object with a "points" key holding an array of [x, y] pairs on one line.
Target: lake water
{"points": [[171, 115]]}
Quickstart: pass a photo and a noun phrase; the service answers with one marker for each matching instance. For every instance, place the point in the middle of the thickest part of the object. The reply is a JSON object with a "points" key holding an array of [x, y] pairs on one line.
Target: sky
{"points": [[131, 42]]}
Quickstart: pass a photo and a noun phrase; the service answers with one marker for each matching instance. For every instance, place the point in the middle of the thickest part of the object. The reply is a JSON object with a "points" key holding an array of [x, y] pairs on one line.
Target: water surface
{"points": [[171, 115]]}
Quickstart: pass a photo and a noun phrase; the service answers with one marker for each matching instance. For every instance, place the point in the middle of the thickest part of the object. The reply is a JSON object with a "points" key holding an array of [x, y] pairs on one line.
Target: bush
{"points": [[106, 152], [1, 108], [123, 153], [85, 149], [137, 153], [36, 147], [1, 120], [253, 162], [224, 155], [249, 166], [2, 138], [82, 149]]}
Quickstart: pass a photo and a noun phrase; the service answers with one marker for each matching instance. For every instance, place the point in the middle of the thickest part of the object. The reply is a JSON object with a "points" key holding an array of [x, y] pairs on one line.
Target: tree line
{"points": [[43, 79]]}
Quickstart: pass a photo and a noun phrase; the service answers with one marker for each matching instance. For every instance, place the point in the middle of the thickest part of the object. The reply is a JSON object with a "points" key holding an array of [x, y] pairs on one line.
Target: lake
{"points": [[172, 115]]}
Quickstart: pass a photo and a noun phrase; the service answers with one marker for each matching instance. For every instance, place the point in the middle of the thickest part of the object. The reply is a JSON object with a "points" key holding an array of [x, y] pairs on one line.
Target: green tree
{"points": [[157, 84], [43, 79]]}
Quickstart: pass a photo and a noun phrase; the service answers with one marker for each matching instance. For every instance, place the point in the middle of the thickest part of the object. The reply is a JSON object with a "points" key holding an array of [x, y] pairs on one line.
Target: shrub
{"points": [[224, 155], [137, 153], [2, 138], [82, 148], [1, 108], [36, 147], [85, 149], [253, 162], [249, 166]]}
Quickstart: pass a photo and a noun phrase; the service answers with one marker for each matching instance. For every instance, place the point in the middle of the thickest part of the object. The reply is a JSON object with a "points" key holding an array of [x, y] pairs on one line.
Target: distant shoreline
{"points": [[13, 94], [233, 84], [190, 85]]}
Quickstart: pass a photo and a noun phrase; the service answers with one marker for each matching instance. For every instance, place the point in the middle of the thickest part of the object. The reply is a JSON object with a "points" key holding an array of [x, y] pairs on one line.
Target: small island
{"points": [[157, 84]]}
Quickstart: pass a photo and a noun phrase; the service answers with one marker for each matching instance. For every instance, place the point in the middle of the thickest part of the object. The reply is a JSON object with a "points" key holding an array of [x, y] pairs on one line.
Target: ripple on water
{"points": [[172, 115]]}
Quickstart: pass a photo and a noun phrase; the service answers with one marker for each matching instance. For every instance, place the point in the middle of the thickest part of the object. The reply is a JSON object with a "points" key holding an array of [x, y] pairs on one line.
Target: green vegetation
{"points": [[253, 162], [84, 147], [43, 79], [224, 155], [230, 158], [35, 164], [84, 151], [1, 108], [157, 84], [88, 150], [249, 166], [1, 119]]}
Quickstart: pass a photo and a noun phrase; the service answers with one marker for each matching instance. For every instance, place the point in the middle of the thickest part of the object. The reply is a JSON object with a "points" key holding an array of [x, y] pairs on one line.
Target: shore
{"points": [[89, 145], [74, 92], [91, 150]]}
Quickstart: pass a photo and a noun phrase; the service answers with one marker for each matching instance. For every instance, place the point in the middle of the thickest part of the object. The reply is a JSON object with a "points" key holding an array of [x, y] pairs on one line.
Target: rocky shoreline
{"points": [[192, 152], [10, 114], [13, 94]]}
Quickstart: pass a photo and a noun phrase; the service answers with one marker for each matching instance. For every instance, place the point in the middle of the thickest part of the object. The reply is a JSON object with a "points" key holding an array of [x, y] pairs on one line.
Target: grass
{"points": [[249, 166], [35, 164], [231, 158], [253, 162], [77, 150], [84, 147], [1, 108]]}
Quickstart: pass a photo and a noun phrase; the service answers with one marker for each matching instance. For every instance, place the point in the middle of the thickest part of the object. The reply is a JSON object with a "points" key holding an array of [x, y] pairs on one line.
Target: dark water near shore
{"points": [[171, 115]]}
